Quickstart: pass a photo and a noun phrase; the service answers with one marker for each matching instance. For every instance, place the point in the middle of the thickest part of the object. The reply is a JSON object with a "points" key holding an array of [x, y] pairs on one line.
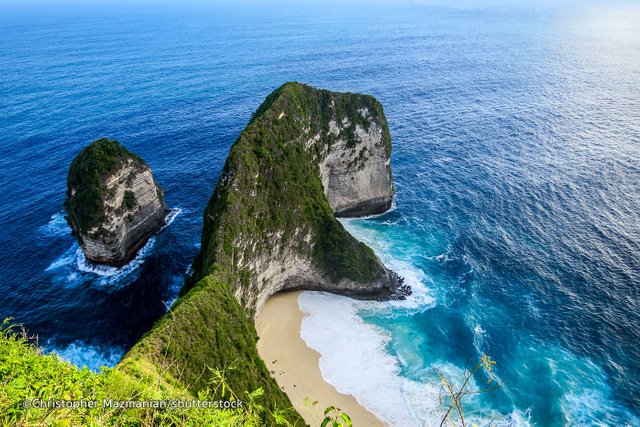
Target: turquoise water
{"points": [[516, 156]]}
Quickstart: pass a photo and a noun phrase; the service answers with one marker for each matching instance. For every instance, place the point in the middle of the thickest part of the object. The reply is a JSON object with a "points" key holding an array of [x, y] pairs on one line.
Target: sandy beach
{"points": [[296, 366]]}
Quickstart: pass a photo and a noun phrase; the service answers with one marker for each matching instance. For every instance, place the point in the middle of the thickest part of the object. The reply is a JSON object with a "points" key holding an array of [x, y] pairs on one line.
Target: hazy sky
{"points": [[573, 6], [444, 3]]}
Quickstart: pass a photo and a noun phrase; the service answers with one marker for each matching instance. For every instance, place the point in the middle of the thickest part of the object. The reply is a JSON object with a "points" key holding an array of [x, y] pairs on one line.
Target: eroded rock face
{"points": [[356, 173], [306, 156], [113, 202]]}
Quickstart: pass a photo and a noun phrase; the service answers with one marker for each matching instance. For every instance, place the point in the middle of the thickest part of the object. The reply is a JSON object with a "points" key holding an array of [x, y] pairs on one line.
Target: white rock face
{"points": [[126, 228], [357, 179], [284, 269]]}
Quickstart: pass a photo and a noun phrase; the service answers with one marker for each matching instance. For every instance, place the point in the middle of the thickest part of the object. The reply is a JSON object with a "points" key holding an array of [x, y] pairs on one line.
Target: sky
{"points": [[441, 3]]}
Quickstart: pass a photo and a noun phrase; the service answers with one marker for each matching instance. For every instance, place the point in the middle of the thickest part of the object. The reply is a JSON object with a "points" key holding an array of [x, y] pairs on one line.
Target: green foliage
{"points": [[343, 256], [86, 179], [334, 417], [27, 374], [129, 200], [207, 332]]}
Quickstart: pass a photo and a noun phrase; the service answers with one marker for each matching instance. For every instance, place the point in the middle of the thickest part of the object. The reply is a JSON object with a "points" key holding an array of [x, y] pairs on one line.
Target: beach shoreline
{"points": [[296, 368]]}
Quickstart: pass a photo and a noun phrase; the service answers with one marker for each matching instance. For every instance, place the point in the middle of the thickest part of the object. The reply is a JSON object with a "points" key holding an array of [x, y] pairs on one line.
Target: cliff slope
{"points": [[113, 203]]}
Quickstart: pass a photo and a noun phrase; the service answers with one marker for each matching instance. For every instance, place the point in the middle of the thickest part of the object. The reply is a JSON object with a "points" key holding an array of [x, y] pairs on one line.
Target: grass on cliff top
{"points": [[27, 374], [86, 179], [207, 328]]}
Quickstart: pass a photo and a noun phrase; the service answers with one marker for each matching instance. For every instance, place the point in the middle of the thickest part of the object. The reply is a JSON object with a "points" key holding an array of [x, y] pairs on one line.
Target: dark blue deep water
{"points": [[516, 156]]}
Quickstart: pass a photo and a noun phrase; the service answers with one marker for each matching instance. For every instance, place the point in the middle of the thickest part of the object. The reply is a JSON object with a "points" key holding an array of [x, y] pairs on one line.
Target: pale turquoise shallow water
{"points": [[516, 155]]}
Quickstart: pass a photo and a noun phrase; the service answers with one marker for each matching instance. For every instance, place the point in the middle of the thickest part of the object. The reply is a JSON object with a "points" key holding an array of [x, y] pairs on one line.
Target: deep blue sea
{"points": [[516, 157]]}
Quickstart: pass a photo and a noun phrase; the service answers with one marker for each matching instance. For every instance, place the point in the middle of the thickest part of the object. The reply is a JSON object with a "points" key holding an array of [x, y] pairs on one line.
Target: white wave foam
{"points": [[64, 260], [354, 355], [171, 216], [589, 405], [421, 298], [77, 268], [91, 356], [354, 358], [588, 397], [445, 256], [56, 227], [87, 266]]}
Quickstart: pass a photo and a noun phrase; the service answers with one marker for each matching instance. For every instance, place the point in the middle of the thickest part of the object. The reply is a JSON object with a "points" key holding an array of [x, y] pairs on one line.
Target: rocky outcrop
{"points": [[113, 202], [306, 156], [355, 166]]}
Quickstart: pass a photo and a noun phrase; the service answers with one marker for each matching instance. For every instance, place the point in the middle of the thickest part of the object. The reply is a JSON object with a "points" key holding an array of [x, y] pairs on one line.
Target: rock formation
{"points": [[113, 202], [270, 225], [354, 160]]}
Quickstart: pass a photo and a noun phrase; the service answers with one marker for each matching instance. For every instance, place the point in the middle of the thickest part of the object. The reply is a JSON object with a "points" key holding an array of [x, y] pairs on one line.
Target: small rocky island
{"points": [[113, 203]]}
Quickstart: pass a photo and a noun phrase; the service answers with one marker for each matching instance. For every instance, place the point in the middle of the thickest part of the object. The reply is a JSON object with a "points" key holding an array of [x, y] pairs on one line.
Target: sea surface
{"points": [[516, 156]]}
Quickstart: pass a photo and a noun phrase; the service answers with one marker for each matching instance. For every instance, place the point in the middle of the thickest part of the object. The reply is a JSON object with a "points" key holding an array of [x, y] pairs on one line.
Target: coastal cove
{"points": [[295, 366], [515, 160]]}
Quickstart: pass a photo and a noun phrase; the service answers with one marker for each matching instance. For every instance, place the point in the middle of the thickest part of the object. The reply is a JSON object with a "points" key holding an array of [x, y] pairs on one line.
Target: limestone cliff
{"points": [[270, 225], [113, 202], [354, 149]]}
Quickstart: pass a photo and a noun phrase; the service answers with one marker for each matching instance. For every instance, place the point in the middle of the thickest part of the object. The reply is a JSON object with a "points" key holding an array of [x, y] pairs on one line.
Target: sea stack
{"points": [[113, 202]]}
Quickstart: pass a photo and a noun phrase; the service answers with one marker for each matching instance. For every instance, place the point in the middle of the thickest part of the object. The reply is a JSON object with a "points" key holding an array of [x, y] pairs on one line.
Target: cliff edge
{"points": [[113, 202]]}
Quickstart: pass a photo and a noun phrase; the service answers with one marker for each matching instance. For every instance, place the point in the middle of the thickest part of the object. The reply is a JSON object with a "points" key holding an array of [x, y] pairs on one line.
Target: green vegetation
{"points": [[27, 375], [334, 417], [86, 179], [208, 328], [129, 200]]}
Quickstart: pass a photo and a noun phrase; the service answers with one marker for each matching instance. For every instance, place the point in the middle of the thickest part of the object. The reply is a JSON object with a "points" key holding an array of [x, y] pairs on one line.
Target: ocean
{"points": [[516, 157]]}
